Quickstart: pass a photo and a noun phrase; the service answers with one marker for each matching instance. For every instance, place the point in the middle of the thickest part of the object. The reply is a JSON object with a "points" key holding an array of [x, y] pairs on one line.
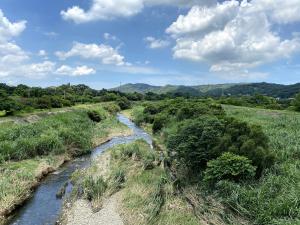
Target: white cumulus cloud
{"points": [[105, 53], [9, 29], [107, 10], [232, 35], [75, 71]]}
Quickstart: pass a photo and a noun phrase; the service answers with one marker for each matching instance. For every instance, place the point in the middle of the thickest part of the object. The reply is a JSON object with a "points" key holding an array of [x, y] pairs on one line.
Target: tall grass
{"points": [[69, 132], [275, 198]]}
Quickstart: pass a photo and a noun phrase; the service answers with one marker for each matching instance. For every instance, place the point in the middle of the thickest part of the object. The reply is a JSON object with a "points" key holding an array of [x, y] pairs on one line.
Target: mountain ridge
{"points": [[216, 90]]}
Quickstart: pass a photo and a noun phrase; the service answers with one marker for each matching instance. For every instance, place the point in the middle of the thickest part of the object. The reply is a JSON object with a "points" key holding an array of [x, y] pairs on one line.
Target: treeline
{"points": [[268, 89], [22, 98]]}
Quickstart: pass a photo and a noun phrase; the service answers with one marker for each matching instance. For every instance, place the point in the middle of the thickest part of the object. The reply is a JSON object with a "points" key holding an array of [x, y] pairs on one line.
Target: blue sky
{"points": [[103, 43]]}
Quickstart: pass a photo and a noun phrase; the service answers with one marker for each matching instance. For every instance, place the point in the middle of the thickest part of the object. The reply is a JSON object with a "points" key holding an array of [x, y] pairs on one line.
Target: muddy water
{"points": [[44, 208]]}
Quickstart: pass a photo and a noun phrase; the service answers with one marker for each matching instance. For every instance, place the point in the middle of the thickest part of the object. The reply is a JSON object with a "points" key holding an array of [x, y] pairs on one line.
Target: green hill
{"points": [[216, 90]]}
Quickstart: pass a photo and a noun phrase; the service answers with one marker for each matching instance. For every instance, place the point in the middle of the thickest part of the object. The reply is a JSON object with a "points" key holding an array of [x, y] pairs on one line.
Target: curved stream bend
{"points": [[44, 208]]}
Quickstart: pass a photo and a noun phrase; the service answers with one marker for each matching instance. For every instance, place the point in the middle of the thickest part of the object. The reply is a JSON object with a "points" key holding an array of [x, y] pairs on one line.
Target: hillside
{"points": [[216, 90], [193, 90]]}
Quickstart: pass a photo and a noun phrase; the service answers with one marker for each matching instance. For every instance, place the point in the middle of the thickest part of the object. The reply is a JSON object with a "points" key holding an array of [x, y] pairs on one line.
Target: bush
{"points": [[124, 103], [249, 141], [159, 122], [9, 105], [112, 108], [195, 142], [95, 116], [229, 167]]}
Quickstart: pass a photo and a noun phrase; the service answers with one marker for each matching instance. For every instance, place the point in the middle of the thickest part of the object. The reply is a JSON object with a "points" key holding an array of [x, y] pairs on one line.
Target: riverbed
{"points": [[44, 207]]}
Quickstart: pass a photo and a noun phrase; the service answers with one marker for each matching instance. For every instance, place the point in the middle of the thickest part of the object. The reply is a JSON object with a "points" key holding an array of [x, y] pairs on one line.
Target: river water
{"points": [[44, 208]]}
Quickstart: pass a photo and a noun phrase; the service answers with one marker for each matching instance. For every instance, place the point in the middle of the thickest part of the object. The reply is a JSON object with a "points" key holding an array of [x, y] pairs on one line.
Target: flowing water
{"points": [[44, 208]]}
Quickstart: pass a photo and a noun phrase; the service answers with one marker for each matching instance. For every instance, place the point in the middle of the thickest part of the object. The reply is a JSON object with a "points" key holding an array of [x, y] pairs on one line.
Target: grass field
{"points": [[275, 199]]}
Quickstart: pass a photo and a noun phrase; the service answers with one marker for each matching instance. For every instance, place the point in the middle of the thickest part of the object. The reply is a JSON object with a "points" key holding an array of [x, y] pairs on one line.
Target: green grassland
{"points": [[275, 198]]}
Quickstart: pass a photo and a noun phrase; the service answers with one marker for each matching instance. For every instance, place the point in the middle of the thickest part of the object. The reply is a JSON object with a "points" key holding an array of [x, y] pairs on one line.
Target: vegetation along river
{"points": [[44, 207]]}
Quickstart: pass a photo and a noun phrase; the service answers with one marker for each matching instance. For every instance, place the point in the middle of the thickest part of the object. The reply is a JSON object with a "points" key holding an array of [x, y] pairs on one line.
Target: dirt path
{"points": [[81, 213]]}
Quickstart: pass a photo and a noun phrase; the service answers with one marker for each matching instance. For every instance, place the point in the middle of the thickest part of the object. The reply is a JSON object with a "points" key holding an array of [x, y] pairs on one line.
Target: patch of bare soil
{"points": [[81, 213]]}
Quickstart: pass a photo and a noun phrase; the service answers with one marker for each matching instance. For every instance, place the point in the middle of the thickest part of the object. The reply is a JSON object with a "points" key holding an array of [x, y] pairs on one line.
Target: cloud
{"points": [[108, 36], [8, 29], [231, 36], [11, 55], [105, 53], [279, 11], [42, 53], [204, 19], [156, 43], [107, 10], [75, 71], [38, 70]]}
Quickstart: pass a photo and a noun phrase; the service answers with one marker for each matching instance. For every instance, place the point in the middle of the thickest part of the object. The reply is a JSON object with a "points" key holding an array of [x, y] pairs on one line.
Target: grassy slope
{"points": [[276, 197], [18, 178]]}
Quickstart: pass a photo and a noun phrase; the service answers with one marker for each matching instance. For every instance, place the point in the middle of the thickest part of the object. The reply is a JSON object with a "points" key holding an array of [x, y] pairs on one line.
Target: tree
{"points": [[296, 102]]}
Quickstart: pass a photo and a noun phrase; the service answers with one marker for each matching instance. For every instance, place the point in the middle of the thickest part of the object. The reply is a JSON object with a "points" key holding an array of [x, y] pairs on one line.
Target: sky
{"points": [[105, 43]]}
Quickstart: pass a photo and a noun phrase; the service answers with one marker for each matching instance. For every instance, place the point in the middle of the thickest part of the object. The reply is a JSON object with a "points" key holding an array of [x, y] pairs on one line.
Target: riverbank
{"points": [[19, 179]]}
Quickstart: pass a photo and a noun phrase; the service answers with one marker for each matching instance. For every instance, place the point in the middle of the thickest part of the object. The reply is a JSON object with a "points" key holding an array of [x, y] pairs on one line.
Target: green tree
{"points": [[296, 102]]}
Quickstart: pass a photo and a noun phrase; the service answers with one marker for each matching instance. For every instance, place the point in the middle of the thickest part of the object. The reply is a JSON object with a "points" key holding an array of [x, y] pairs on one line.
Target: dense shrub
{"points": [[124, 103], [159, 122], [112, 108], [95, 116], [9, 105], [229, 167], [195, 142], [250, 141]]}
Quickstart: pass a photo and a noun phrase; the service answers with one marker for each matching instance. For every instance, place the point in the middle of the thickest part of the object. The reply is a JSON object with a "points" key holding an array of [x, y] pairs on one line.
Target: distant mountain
{"points": [[216, 90], [274, 90], [192, 90]]}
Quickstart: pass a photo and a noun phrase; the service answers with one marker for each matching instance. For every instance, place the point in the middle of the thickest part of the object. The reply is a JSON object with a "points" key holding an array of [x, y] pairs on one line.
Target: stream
{"points": [[44, 208]]}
